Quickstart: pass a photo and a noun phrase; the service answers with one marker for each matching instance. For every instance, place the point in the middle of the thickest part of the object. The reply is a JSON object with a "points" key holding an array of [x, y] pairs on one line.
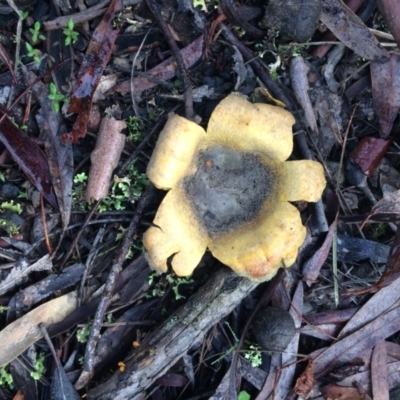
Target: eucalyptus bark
{"points": [[186, 328]]}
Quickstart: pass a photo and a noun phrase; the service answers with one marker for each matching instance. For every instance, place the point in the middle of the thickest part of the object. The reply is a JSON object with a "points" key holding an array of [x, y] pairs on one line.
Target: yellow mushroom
{"points": [[229, 191]]}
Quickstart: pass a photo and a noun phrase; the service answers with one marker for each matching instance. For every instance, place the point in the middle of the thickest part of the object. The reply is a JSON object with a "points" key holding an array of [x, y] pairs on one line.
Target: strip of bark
{"points": [[105, 157], [163, 347]]}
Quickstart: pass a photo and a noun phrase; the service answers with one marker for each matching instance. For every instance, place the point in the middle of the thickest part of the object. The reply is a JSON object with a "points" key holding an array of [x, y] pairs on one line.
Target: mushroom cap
{"points": [[206, 174]]}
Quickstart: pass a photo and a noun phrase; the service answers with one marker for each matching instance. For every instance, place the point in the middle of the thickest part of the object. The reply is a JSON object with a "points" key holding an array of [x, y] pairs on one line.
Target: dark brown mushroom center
{"points": [[228, 188]]}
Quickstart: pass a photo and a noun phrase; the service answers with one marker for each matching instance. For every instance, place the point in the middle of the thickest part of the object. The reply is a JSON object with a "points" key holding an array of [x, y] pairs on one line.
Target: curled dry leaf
{"points": [[91, 70], [369, 153], [105, 157], [313, 266], [305, 382], [25, 331], [385, 80], [29, 157], [333, 391], [388, 208], [163, 71], [351, 31], [21, 270]]}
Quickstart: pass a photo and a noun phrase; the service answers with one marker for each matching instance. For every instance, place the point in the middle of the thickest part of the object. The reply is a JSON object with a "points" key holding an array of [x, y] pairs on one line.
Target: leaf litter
{"points": [[346, 107]]}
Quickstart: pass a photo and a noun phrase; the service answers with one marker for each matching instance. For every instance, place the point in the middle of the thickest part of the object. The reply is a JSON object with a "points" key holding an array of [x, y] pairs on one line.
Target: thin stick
{"points": [[259, 69], [155, 9], [46, 234], [89, 363]]}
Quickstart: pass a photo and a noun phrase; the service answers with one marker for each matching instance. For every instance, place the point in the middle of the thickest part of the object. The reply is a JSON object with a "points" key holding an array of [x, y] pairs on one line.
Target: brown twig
{"points": [[260, 70], [155, 9], [78, 235], [46, 234]]}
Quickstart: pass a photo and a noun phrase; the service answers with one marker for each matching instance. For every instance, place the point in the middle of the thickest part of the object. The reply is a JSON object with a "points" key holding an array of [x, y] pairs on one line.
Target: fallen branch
{"points": [[167, 344]]}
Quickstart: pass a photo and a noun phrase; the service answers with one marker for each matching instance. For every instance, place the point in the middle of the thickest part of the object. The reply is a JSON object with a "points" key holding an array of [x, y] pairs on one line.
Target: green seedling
{"points": [[71, 36], [38, 369], [6, 378], [83, 333], [10, 205], [24, 14], [55, 97], [175, 282], [201, 4], [78, 191], [253, 354], [9, 227], [243, 395], [134, 131], [36, 34], [33, 53], [160, 286], [3, 309]]}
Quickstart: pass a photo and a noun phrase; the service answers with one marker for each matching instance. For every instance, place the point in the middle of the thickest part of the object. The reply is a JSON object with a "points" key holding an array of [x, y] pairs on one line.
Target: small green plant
{"points": [[201, 4], [134, 132], [10, 205], [33, 53], [71, 36], [253, 354], [38, 369], [24, 14], [10, 227], [78, 191], [36, 34], [55, 97], [6, 378], [161, 286], [124, 189], [175, 282], [376, 231], [243, 395], [3, 309], [83, 333]]}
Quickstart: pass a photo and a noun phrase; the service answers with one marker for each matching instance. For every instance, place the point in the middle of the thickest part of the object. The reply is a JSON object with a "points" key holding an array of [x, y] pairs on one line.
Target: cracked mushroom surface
{"points": [[229, 190]]}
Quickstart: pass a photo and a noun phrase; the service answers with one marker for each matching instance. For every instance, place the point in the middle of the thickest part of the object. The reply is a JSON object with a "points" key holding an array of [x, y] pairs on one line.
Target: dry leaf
{"points": [[305, 382], [388, 208], [59, 155], [313, 266], [369, 153], [336, 392], [379, 373], [163, 71], [21, 270], [23, 332], [289, 356], [351, 31], [375, 321], [96, 58], [385, 80]]}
